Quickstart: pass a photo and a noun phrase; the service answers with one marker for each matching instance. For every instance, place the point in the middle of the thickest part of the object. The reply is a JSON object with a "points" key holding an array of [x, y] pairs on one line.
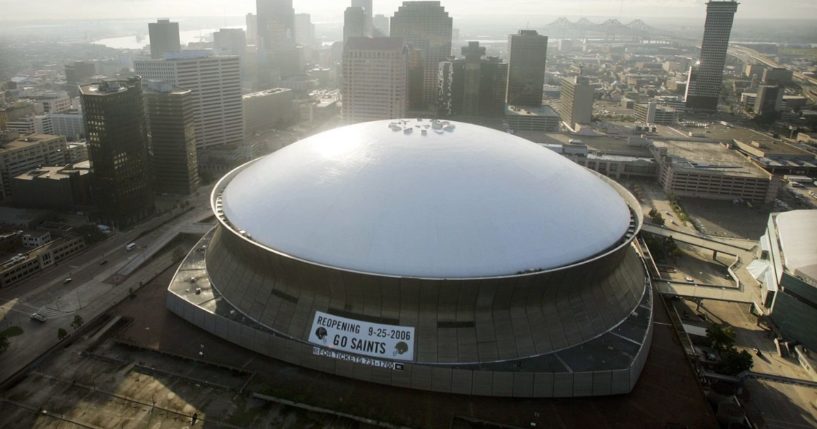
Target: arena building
{"points": [[430, 255]]}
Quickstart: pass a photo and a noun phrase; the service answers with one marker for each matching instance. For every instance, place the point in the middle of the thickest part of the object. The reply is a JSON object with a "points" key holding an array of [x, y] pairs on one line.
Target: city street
{"points": [[91, 291]]}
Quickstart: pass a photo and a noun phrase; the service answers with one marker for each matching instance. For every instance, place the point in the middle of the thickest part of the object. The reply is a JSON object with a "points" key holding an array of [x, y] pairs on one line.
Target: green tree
{"points": [[671, 247], [721, 337], [61, 334], [656, 217], [733, 362], [77, 322]]}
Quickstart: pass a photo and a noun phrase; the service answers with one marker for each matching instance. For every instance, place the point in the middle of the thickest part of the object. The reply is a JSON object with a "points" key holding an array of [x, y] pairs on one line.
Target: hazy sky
{"points": [[331, 10]]}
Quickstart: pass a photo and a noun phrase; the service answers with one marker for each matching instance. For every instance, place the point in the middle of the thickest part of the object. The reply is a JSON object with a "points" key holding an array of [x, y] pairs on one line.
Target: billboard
{"points": [[362, 338]]}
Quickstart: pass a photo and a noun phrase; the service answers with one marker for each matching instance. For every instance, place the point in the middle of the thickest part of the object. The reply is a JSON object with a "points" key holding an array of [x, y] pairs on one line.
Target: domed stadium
{"points": [[431, 255]]}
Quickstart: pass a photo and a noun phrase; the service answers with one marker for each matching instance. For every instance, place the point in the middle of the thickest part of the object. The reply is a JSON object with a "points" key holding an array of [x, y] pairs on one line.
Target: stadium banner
{"points": [[362, 338]]}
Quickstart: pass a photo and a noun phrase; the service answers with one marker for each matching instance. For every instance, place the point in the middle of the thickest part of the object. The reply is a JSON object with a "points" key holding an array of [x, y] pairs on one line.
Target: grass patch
{"points": [[679, 211]]}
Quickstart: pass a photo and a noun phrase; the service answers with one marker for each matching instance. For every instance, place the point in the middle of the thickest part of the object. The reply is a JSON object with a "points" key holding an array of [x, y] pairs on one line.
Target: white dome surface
{"points": [[458, 203]]}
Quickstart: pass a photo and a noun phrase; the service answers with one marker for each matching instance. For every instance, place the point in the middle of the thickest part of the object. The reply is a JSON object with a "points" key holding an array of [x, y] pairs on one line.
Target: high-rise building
{"points": [[304, 30], [171, 130], [374, 82], [526, 68], [67, 124], [251, 20], [777, 76], [576, 101], [164, 38], [78, 72], [118, 150], [366, 5], [426, 26], [380, 26], [216, 85], [230, 41], [354, 23], [473, 85], [706, 77], [277, 55], [769, 100]]}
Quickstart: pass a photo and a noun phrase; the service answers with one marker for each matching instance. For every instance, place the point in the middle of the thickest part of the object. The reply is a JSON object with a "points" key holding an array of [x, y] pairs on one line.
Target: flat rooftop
{"points": [[544, 111], [54, 173], [27, 140], [606, 145], [266, 92], [712, 158]]}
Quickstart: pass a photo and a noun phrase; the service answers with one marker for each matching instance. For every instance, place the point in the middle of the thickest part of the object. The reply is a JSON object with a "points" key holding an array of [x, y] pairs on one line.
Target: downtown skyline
{"points": [[332, 11]]}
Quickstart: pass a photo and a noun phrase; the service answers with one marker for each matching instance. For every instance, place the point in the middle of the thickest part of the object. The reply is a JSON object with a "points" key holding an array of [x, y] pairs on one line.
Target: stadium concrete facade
{"points": [[430, 255]]}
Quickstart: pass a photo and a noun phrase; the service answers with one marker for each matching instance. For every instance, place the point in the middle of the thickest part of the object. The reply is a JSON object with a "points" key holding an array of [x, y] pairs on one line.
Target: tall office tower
{"points": [[171, 131], [118, 150], [251, 20], [526, 68], [577, 101], [216, 85], [366, 5], [380, 26], [472, 86], [416, 77], [473, 54], [164, 38], [304, 30], [78, 72], [425, 25], [354, 23], [230, 41], [277, 55], [706, 76], [374, 82]]}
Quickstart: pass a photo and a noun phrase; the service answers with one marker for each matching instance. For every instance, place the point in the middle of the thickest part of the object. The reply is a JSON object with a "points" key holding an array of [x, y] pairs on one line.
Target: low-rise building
{"points": [[711, 170], [24, 265], [775, 155], [748, 99], [524, 118], [268, 109], [77, 152], [654, 113], [22, 219], [787, 272], [26, 153], [59, 188], [34, 239], [613, 166], [10, 241], [794, 101]]}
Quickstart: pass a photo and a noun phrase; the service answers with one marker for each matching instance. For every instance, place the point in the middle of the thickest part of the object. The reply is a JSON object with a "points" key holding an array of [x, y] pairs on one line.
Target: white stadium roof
{"points": [[461, 201]]}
